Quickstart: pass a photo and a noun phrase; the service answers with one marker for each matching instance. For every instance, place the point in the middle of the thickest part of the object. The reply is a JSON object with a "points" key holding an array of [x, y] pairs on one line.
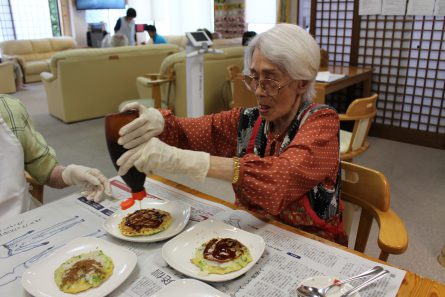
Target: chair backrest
{"points": [[241, 95], [35, 189], [362, 111], [369, 189]]}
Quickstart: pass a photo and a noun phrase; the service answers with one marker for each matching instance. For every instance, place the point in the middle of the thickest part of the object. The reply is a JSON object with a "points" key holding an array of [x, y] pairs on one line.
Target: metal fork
{"points": [[365, 284]]}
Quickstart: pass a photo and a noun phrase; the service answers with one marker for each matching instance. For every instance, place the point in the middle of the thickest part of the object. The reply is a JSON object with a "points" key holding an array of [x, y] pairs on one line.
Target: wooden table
{"points": [[242, 97], [413, 284], [354, 75]]}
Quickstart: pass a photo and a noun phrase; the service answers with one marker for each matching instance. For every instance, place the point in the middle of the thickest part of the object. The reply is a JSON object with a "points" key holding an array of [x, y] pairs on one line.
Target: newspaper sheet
{"points": [[287, 260]]}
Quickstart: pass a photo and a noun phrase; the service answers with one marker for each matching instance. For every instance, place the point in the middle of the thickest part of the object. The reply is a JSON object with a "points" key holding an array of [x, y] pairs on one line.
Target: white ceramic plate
{"points": [[189, 288], [324, 281], [178, 251], [180, 213], [38, 280]]}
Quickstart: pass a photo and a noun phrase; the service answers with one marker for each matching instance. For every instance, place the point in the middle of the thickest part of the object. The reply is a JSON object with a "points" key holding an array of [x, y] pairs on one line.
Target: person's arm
{"points": [[117, 27], [133, 32], [222, 168], [215, 134], [312, 157], [185, 146], [40, 159]]}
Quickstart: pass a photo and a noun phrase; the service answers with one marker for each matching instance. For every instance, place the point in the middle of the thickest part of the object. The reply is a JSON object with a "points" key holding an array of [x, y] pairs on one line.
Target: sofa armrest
{"points": [[146, 86], [47, 77], [152, 75], [14, 59]]}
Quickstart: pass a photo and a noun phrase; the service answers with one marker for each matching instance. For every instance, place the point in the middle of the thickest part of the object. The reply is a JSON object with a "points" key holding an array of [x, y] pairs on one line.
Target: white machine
{"points": [[198, 45]]}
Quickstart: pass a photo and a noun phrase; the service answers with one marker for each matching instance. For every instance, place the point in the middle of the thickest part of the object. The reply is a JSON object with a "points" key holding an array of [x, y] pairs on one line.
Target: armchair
{"points": [[362, 111], [35, 189], [170, 83], [241, 95], [369, 189]]}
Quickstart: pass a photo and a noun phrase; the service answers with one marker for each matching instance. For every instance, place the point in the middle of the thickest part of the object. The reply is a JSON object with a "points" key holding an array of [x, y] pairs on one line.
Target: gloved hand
{"points": [[156, 154], [94, 182], [150, 123]]}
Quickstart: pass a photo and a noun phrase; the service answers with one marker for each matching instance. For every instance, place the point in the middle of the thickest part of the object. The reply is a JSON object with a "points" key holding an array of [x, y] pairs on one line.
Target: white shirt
{"points": [[128, 29]]}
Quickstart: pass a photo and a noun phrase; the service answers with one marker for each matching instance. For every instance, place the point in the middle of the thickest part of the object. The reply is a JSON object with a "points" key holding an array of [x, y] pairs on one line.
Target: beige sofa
{"points": [[7, 81], [90, 83], [33, 55], [217, 95], [181, 41]]}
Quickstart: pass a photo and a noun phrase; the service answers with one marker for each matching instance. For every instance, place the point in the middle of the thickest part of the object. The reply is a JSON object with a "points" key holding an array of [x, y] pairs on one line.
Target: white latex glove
{"points": [[156, 154], [150, 123], [94, 182]]}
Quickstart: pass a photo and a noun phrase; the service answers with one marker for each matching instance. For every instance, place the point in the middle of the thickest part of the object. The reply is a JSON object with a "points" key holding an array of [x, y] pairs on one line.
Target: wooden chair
{"points": [[35, 189], [362, 111], [324, 59], [241, 96], [149, 86], [369, 189]]}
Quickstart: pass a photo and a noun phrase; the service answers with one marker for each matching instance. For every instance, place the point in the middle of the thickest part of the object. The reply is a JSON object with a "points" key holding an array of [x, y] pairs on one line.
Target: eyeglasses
{"points": [[269, 86]]}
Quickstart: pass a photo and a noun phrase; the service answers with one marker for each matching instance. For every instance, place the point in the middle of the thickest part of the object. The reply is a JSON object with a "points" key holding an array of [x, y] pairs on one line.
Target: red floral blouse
{"points": [[276, 184]]}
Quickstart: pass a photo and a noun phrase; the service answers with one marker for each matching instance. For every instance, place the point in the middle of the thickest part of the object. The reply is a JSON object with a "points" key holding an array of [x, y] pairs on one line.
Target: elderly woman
{"points": [[282, 156], [115, 41]]}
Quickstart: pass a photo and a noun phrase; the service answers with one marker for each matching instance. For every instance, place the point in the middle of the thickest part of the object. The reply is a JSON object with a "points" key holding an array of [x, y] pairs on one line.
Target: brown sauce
{"points": [[223, 249], [80, 269], [144, 218]]}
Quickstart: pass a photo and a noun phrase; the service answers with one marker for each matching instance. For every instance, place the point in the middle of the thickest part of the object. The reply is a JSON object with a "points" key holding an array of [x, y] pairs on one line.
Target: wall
{"points": [[78, 24]]}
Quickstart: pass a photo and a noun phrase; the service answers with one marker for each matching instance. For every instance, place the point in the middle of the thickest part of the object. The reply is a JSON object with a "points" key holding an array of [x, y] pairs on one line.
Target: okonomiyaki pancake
{"points": [[145, 222], [84, 271], [221, 256]]}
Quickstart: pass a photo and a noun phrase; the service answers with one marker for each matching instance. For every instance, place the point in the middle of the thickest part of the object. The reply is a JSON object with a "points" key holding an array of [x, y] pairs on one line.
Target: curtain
{"points": [[283, 11], [230, 18]]}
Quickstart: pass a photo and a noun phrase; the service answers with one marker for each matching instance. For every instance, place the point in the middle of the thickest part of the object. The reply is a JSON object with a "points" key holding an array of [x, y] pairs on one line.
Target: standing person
{"points": [[157, 39], [282, 156], [23, 148], [126, 26]]}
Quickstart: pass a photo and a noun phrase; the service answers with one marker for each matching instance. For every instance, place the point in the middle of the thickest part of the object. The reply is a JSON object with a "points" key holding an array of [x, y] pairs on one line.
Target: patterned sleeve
{"points": [[215, 134], [40, 158], [312, 157]]}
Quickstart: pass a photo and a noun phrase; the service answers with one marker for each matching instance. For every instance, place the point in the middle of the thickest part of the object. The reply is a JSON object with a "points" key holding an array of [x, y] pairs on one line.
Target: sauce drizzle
{"points": [[223, 249]]}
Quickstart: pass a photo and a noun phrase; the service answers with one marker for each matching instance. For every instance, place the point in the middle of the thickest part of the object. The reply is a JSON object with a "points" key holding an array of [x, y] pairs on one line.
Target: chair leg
{"points": [[383, 256], [364, 227], [156, 93]]}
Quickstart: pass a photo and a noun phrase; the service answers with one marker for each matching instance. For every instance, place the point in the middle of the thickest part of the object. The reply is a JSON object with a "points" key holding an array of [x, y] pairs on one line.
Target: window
{"points": [[107, 16], [28, 19], [175, 17], [261, 15], [171, 17], [6, 26]]}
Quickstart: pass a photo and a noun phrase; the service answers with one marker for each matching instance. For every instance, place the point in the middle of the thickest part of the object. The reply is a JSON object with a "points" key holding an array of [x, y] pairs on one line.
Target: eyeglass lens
{"points": [[269, 86]]}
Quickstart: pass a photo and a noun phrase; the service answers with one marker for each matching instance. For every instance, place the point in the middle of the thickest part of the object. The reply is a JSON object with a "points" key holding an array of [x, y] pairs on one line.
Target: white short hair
{"points": [[115, 40], [118, 40], [290, 48]]}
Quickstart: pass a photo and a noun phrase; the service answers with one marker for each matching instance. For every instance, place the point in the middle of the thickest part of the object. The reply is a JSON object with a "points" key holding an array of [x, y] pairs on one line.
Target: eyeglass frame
{"points": [[258, 82]]}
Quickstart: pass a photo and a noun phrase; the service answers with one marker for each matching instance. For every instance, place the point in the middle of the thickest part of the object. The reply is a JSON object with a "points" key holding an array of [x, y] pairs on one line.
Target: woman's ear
{"points": [[302, 86]]}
